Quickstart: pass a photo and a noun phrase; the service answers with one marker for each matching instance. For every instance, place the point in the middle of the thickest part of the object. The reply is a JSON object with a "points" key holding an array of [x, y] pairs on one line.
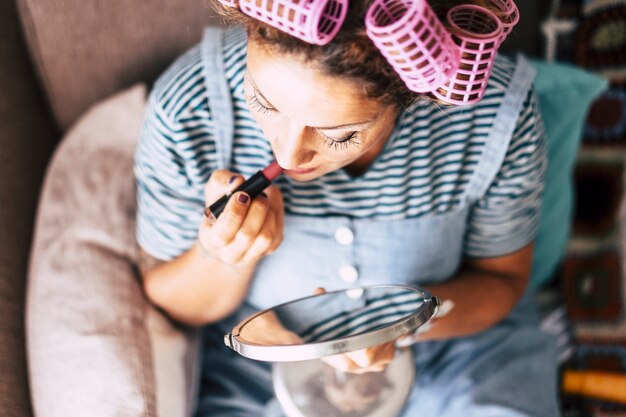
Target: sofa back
{"points": [[84, 51]]}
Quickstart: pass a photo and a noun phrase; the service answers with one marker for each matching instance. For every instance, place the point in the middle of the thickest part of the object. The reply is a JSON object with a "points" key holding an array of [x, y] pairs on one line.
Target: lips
{"points": [[300, 171]]}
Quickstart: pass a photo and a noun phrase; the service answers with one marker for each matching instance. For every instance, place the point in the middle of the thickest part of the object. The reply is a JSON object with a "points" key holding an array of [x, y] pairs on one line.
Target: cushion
{"points": [[565, 94], [85, 51], [96, 347]]}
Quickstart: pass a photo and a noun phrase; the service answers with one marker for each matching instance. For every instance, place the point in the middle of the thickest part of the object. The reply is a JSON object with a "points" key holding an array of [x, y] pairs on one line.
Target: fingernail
{"points": [[232, 179], [243, 199]]}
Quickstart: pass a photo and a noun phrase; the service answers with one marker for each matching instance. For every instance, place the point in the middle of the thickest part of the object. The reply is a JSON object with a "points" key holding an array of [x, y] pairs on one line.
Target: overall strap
{"points": [[502, 130], [218, 91]]}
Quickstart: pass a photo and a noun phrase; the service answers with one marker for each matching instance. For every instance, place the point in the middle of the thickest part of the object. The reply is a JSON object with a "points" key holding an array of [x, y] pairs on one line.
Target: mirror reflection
{"points": [[331, 316]]}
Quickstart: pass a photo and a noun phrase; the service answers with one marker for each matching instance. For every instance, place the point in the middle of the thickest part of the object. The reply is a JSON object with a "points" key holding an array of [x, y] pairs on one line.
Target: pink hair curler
{"points": [[477, 32], [313, 21], [414, 41], [507, 12]]}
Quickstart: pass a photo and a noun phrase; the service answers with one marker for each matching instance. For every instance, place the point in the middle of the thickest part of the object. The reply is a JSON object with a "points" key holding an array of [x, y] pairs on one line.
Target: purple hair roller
{"points": [[313, 21], [477, 32], [414, 41]]}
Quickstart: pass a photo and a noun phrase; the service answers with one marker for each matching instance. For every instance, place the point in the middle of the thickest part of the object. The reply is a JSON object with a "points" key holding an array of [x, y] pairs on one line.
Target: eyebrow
{"points": [[346, 126]]}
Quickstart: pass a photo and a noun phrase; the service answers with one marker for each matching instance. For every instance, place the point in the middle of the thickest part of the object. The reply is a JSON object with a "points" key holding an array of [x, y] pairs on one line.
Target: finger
{"points": [[248, 231], [319, 291], [221, 182], [263, 242], [225, 228], [275, 198], [385, 354], [340, 362], [278, 232], [406, 340], [373, 368], [375, 357], [276, 202], [363, 357]]}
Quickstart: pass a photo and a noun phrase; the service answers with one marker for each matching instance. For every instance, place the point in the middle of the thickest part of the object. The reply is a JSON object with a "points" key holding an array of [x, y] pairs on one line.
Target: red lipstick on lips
{"points": [[300, 171], [253, 186]]}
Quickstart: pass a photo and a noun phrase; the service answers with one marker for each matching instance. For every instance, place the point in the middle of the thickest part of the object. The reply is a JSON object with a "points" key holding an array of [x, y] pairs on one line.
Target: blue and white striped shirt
{"points": [[423, 170]]}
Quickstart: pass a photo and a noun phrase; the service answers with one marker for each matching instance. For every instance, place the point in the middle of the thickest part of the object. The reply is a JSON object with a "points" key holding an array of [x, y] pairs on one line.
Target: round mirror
{"points": [[332, 323]]}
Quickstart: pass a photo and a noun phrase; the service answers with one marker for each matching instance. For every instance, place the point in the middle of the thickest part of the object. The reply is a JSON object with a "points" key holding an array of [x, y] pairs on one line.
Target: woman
{"points": [[381, 185]]}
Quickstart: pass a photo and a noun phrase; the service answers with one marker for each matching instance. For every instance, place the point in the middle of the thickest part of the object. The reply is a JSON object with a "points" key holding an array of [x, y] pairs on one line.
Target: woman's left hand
{"points": [[372, 359]]}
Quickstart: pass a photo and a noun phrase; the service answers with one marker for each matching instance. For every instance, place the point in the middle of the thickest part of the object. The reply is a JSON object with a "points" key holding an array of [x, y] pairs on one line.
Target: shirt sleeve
{"points": [[507, 218], [169, 207]]}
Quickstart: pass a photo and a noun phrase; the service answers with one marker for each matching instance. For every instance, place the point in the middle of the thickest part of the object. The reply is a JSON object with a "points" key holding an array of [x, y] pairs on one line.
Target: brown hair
{"points": [[350, 54]]}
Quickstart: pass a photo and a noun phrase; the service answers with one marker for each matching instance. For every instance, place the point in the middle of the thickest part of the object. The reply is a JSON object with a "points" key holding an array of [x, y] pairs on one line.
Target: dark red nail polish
{"points": [[243, 199], [232, 179]]}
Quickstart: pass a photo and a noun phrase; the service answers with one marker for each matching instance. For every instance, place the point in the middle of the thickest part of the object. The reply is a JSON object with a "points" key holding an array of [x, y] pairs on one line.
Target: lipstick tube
{"points": [[253, 186]]}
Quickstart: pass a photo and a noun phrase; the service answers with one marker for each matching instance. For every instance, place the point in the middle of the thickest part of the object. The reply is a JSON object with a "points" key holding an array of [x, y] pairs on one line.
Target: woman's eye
{"points": [[343, 143], [254, 102]]}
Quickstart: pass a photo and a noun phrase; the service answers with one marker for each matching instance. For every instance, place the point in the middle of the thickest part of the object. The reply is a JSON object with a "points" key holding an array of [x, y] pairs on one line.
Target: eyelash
{"points": [[342, 144], [254, 101]]}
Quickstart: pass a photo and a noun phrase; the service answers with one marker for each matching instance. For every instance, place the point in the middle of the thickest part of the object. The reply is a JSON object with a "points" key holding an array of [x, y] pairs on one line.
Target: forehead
{"points": [[300, 90]]}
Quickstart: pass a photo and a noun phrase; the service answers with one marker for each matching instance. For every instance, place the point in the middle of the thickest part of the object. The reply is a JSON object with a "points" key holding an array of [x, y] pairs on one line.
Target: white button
{"points": [[348, 273], [344, 235]]}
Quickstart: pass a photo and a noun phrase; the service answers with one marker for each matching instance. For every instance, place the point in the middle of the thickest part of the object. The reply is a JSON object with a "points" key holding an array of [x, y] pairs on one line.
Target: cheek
{"points": [[376, 138], [269, 124], [340, 156], [346, 154]]}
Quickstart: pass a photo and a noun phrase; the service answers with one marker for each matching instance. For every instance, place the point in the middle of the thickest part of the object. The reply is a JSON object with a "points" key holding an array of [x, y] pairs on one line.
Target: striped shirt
{"points": [[423, 169]]}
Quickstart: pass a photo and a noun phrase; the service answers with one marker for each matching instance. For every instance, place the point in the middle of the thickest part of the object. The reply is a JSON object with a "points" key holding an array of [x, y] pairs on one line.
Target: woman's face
{"points": [[315, 123]]}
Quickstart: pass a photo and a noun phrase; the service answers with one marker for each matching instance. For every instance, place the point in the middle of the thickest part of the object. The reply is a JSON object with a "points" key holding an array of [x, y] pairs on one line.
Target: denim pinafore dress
{"points": [[508, 370]]}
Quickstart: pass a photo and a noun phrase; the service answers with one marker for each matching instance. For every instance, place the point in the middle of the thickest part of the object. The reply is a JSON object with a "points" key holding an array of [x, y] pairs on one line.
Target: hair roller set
{"points": [[477, 33], [313, 21], [415, 43], [453, 61]]}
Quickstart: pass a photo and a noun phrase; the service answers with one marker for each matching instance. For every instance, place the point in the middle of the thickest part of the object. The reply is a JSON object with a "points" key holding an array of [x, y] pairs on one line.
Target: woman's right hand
{"points": [[246, 230]]}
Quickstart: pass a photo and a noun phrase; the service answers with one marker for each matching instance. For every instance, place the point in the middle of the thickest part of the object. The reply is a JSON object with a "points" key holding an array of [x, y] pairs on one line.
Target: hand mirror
{"points": [[332, 323]]}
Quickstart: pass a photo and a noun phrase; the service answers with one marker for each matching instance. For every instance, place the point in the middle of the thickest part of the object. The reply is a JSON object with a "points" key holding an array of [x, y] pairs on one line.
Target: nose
{"points": [[293, 148]]}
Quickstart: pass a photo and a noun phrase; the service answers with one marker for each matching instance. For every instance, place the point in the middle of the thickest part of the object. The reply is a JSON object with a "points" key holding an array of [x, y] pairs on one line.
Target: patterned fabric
{"points": [[423, 170], [592, 34], [606, 124]]}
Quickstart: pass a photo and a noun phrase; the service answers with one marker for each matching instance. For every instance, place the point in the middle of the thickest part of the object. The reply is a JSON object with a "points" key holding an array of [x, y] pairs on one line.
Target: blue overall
{"points": [[508, 370]]}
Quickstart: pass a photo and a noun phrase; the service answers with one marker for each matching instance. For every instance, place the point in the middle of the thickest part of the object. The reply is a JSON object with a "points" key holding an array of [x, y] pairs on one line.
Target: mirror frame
{"points": [[316, 350]]}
